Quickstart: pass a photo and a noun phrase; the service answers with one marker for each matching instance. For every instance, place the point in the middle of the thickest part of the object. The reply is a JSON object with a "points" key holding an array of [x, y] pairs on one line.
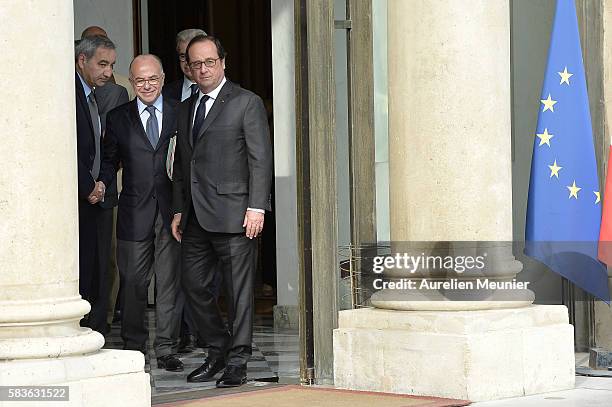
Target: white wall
{"points": [[283, 77], [115, 16]]}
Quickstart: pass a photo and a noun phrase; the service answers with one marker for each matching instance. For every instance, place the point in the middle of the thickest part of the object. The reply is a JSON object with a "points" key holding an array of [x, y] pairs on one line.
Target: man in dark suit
{"points": [[222, 180], [181, 90], [94, 60], [184, 87], [108, 97], [137, 135]]}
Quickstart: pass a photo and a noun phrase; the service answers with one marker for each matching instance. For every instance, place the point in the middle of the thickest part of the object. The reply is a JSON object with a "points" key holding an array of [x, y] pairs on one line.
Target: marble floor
{"points": [[588, 392], [275, 358]]}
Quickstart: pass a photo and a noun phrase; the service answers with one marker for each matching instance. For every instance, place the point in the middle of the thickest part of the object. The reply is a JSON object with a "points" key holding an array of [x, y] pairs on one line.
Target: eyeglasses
{"points": [[140, 82], [209, 63]]}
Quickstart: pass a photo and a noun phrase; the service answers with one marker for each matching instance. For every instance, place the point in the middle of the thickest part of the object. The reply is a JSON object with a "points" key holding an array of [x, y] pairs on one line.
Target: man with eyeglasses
{"points": [[184, 87], [180, 90], [222, 180], [137, 136]]}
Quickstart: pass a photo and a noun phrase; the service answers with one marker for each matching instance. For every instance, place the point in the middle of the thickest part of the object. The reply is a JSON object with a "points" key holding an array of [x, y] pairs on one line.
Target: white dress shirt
{"points": [[144, 114], [186, 90], [212, 96]]}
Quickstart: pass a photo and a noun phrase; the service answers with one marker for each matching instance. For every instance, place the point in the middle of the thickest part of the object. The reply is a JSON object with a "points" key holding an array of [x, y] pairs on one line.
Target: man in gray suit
{"points": [[221, 189]]}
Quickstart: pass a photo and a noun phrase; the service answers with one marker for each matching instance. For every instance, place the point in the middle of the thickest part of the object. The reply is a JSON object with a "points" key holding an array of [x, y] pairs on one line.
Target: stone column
{"points": [[450, 182], [450, 147], [41, 342]]}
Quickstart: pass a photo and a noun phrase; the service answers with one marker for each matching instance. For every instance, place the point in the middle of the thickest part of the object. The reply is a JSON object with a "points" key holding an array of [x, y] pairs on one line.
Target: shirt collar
{"points": [[214, 93], [187, 83], [159, 104], [86, 87]]}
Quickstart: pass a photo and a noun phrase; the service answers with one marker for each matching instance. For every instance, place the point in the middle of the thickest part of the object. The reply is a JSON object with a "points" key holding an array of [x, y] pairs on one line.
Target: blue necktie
{"points": [[152, 126], [199, 119]]}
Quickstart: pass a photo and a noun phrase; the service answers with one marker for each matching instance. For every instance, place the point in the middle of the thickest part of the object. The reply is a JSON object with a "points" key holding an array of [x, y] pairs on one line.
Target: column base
{"points": [[105, 378], [472, 355]]}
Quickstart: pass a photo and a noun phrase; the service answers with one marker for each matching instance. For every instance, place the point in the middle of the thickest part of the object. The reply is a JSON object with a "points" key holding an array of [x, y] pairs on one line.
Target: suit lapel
{"points": [[168, 123], [217, 106], [83, 101], [192, 103], [134, 117]]}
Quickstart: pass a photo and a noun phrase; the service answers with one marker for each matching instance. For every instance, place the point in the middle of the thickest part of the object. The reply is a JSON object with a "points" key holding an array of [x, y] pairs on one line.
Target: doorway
{"points": [[244, 28]]}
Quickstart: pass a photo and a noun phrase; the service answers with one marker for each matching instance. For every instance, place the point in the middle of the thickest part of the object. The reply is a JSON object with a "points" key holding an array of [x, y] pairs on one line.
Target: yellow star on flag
{"points": [[548, 104], [565, 76], [545, 137], [598, 195], [573, 190], [554, 169]]}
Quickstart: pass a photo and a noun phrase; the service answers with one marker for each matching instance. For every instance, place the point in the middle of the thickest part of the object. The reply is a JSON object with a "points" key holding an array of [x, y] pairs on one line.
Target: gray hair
{"points": [[155, 57], [188, 34], [88, 46]]}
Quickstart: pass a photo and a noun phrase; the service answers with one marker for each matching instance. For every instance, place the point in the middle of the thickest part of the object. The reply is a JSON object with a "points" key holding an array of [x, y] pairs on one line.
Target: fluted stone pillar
{"points": [[451, 194], [41, 342], [450, 147]]}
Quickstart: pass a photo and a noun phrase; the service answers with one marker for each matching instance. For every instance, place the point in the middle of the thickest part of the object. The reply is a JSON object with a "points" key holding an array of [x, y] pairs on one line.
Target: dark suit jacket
{"points": [[88, 213], [230, 167], [146, 186], [86, 147], [108, 97], [173, 90]]}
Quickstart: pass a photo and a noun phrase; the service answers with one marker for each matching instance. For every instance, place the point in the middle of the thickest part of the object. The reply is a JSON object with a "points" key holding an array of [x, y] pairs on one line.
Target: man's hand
{"points": [[253, 222], [97, 194], [176, 231]]}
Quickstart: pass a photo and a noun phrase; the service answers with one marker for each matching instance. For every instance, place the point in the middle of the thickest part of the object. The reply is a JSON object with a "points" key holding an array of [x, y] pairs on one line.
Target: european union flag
{"points": [[564, 209]]}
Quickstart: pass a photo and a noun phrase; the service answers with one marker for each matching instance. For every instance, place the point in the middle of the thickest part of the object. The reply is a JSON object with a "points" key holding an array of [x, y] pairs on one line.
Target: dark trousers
{"points": [[94, 241], [138, 262], [99, 305], [235, 257], [88, 250], [188, 326]]}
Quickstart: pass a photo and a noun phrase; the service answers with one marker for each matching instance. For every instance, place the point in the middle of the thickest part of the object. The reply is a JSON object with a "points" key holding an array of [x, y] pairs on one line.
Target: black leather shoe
{"points": [[233, 376], [187, 344], [170, 363], [207, 371]]}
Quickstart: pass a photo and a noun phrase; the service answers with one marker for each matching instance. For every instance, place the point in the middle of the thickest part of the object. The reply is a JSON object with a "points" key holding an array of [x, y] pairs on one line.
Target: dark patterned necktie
{"points": [[199, 119], [152, 126], [194, 89]]}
